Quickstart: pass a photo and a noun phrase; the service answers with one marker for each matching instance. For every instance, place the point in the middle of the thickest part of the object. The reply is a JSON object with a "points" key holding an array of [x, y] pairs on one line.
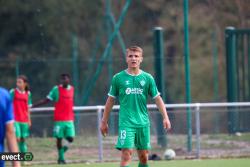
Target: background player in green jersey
{"points": [[132, 87], [63, 97]]}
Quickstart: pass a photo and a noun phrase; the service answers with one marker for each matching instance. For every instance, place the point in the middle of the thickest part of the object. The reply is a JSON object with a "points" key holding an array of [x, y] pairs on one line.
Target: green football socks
{"points": [[61, 153], [22, 146], [143, 165], [65, 148]]}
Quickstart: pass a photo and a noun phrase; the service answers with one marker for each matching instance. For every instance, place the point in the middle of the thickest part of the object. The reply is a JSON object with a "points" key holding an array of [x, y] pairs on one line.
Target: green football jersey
{"points": [[132, 92]]}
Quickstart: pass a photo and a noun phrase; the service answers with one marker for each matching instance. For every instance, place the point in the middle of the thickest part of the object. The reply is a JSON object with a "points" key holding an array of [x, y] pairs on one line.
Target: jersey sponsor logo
{"points": [[142, 82], [138, 91], [128, 91]]}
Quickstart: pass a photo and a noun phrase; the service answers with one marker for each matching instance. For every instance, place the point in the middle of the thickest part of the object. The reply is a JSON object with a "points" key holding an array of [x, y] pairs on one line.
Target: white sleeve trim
{"points": [[111, 95], [48, 97], [10, 121], [12, 90], [158, 94]]}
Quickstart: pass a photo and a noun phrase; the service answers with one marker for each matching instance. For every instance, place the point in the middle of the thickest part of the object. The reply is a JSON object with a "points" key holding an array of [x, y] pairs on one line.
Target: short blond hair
{"points": [[134, 49]]}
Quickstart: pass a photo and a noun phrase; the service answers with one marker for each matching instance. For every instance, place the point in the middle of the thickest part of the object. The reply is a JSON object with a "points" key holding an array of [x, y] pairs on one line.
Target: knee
{"points": [[70, 139], [143, 157], [20, 140], [126, 155]]}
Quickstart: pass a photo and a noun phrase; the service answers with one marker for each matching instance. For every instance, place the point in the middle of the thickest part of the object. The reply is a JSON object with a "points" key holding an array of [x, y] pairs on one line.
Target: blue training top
{"points": [[6, 114]]}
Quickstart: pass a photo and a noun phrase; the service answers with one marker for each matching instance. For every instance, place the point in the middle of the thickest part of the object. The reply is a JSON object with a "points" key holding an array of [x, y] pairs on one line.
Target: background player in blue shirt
{"points": [[7, 125]]}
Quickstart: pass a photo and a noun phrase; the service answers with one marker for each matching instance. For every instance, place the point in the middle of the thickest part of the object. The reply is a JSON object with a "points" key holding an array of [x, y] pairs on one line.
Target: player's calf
{"points": [[125, 157], [22, 145], [61, 159], [67, 142], [143, 158], [59, 143]]}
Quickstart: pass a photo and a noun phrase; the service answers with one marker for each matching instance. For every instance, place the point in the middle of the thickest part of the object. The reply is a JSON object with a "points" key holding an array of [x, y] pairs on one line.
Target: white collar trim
{"points": [[133, 74], [20, 91], [68, 87]]}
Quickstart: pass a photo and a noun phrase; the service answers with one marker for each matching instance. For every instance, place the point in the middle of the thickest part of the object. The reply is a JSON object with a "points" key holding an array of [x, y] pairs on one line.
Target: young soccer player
{"points": [[132, 87], [7, 125], [21, 98], [63, 96]]}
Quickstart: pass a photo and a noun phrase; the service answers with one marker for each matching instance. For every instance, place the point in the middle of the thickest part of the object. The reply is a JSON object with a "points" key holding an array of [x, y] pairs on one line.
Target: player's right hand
{"points": [[104, 128], [166, 124]]}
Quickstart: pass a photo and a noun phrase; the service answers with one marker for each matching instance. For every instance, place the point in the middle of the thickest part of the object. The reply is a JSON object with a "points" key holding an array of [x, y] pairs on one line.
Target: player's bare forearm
{"points": [[41, 102], [108, 107], [11, 141], [10, 136], [161, 106], [29, 117]]}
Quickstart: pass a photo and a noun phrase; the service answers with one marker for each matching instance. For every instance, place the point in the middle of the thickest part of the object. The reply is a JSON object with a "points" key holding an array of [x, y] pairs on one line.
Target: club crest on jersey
{"points": [[142, 83]]}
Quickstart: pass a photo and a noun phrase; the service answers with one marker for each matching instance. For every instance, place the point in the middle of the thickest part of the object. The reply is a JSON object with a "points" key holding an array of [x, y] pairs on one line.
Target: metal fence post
{"points": [[232, 84], [160, 80], [187, 73], [100, 146], [197, 122]]}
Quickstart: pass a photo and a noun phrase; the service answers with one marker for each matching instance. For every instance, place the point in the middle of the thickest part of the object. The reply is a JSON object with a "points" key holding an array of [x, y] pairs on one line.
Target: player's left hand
{"points": [[166, 124]]}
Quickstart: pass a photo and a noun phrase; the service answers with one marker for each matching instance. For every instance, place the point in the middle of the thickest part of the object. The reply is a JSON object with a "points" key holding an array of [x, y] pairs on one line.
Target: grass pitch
{"points": [[174, 163]]}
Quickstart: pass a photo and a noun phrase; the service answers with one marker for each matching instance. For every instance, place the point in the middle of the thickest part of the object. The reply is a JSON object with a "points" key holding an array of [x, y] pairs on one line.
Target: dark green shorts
{"points": [[64, 129], [134, 138], [22, 129]]}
